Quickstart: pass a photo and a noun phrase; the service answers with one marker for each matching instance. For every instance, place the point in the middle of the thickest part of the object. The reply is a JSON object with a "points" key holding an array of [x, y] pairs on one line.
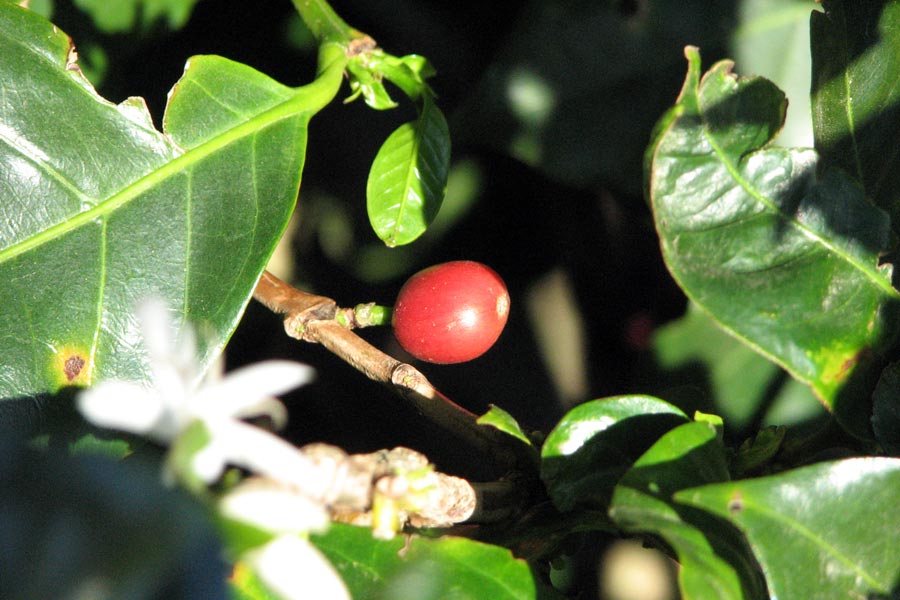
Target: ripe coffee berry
{"points": [[452, 312]]}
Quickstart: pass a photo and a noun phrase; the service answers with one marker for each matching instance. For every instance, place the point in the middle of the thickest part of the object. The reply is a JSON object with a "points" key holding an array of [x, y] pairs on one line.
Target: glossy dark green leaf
{"points": [[715, 562], [784, 262], [409, 176], [100, 210], [126, 15], [856, 99], [424, 568], [591, 447], [827, 531]]}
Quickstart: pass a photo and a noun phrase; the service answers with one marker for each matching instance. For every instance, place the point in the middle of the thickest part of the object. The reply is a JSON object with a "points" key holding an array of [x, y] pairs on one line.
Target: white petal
{"points": [[239, 393], [173, 362], [209, 463], [124, 406], [294, 569], [157, 328], [269, 407], [264, 453], [275, 508], [170, 384]]}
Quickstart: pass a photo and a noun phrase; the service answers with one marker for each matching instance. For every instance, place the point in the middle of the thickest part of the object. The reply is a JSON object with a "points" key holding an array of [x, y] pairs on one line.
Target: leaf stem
{"points": [[324, 23]]}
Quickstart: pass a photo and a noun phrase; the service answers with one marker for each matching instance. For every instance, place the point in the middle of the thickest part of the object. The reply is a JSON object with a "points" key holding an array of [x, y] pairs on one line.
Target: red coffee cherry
{"points": [[452, 312]]}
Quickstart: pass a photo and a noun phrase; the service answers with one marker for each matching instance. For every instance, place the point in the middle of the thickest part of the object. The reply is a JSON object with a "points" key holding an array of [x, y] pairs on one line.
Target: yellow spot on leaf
{"points": [[71, 366]]}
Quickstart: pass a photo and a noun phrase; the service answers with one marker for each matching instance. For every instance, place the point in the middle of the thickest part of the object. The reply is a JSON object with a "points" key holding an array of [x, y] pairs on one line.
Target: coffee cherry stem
{"points": [[364, 315]]}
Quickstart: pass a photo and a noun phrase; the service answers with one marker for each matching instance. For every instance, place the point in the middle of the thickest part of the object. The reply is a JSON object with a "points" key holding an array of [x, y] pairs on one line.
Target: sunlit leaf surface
{"points": [[100, 210]]}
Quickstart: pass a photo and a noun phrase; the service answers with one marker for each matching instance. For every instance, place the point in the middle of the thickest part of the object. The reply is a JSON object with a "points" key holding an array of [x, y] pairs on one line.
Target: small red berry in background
{"points": [[452, 312], [638, 332]]}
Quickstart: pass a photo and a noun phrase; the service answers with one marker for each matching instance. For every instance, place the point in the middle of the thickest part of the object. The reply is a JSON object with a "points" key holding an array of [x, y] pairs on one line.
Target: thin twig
{"points": [[311, 318]]}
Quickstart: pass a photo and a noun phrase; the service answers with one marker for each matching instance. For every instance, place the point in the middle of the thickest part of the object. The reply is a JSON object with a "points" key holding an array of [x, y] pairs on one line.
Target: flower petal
{"points": [[156, 328], [209, 463], [171, 350], [239, 393], [264, 453], [124, 406], [275, 507], [294, 569]]}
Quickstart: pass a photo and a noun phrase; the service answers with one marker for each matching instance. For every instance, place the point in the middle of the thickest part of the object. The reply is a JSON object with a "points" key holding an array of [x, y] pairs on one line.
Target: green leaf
{"points": [[42, 7], [244, 584], [505, 422], [100, 210], [420, 568], [756, 453], [182, 456], [594, 444], [786, 264], [827, 531], [408, 177], [406, 72], [126, 15], [714, 561], [369, 85], [856, 100], [741, 383], [714, 421]]}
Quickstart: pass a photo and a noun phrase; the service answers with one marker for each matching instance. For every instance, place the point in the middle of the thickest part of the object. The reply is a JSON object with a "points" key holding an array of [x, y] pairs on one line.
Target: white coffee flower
{"points": [[178, 398]]}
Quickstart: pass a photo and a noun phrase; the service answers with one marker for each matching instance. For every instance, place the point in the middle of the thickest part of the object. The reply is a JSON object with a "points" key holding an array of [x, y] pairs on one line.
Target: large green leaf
{"points": [[856, 99], [409, 176], [827, 531], [100, 210], [595, 443], [420, 568], [715, 563], [784, 262]]}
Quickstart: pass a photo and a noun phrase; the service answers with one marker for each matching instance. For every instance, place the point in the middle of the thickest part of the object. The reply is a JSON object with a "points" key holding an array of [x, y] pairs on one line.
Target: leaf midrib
{"points": [[409, 180], [749, 189], [848, 99], [811, 536], [294, 106]]}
